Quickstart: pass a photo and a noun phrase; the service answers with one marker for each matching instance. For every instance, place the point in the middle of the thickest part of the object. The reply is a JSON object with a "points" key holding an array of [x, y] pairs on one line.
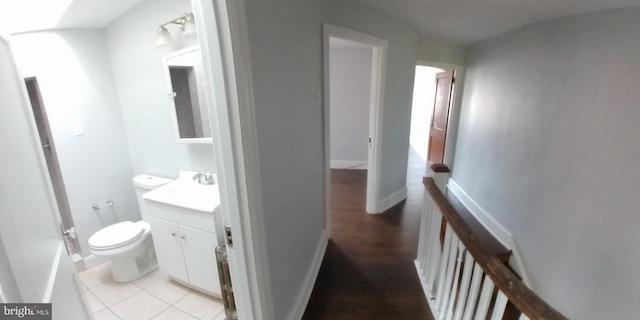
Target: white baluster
{"points": [[423, 237], [473, 291], [435, 251], [442, 269], [464, 286], [451, 266], [499, 306], [485, 298], [456, 276]]}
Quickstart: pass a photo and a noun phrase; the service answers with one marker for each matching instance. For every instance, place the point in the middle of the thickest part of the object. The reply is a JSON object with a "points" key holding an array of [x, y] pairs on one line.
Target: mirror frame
{"points": [[170, 94]]}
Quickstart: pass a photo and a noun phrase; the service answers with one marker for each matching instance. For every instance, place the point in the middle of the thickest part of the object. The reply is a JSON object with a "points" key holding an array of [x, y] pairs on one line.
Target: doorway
{"points": [[377, 48], [431, 115], [422, 111], [350, 69]]}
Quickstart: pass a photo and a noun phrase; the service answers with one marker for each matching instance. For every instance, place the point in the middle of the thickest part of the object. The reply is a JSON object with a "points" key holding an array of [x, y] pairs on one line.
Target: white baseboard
{"points": [[390, 201], [344, 164], [496, 229], [310, 281]]}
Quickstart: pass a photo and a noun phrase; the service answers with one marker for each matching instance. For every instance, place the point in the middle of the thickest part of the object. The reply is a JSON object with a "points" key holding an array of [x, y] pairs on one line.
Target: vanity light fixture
{"points": [[185, 23], [163, 37]]}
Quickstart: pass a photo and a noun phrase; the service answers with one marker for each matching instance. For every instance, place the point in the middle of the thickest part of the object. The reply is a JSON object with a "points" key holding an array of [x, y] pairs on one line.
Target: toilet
{"points": [[128, 244]]}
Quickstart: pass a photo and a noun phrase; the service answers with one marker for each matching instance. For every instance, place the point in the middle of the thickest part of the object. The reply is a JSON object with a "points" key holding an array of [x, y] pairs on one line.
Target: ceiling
{"points": [[29, 15], [458, 21], [468, 21]]}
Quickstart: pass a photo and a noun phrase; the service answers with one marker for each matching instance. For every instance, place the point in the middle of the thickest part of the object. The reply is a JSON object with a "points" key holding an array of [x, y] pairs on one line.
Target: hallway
{"points": [[368, 270]]}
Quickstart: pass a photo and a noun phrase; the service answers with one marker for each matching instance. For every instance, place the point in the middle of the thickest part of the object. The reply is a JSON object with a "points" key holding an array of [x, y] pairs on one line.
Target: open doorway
{"points": [[433, 97], [421, 112], [350, 69], [370, 77]]}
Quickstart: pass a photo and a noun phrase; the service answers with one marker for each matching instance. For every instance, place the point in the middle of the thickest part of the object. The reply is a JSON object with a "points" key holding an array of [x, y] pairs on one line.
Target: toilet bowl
{"points": [[128, 244], [130, 248]]}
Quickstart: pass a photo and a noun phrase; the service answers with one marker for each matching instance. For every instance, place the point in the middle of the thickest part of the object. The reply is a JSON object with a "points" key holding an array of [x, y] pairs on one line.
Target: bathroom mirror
{"points": [[187, 95]]}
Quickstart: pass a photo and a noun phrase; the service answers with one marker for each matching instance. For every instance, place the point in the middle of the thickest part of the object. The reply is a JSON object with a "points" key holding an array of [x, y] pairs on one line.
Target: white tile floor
{"points": [[154, 296]]}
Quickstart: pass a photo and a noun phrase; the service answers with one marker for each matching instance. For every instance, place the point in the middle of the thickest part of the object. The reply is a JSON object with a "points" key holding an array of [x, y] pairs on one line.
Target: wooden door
{"points": [[440, 118]]}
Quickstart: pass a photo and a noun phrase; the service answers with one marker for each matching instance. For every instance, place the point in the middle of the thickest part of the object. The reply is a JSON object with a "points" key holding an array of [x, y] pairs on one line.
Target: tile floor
{"points": [[154, 296]]}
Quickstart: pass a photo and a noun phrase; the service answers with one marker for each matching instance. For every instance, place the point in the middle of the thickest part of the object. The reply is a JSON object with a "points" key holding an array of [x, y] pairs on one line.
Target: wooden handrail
{"points": [[513, 288]]}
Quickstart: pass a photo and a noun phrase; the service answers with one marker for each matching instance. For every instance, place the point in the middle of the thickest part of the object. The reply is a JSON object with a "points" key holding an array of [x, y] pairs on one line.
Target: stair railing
{"points": [[461, 280]]}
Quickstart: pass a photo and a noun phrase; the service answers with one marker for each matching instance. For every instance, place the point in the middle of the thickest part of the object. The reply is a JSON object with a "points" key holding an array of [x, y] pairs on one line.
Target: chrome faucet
{"points": [[204, 178]]}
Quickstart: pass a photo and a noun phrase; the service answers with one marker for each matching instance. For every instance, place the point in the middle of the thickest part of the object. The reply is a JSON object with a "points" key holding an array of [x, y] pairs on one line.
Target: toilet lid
{"points": [[116, 235]]}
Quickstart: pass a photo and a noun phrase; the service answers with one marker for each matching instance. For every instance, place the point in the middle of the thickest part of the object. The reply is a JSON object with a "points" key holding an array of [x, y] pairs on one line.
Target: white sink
{"points": [[186, 193]]}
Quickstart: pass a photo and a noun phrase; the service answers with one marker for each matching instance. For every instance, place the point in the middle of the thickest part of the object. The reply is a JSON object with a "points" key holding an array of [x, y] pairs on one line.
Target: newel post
{"points": [[440, 176]]}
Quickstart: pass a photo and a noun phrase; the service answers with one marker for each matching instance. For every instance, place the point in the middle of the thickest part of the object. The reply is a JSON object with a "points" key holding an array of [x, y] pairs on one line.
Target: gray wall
{"points": [[350, 71], [286, 45], [548, 146], [434, 50], [285, 39], [140, 76], [78, 91]]}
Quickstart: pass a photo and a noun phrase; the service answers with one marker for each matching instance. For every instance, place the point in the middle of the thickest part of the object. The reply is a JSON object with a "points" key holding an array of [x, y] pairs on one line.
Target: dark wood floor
{"points": [[368, 270]]}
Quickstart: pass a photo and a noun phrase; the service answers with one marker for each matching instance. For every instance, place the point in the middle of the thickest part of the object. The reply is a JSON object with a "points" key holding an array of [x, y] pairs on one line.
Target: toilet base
{"points": [[132, 265]]}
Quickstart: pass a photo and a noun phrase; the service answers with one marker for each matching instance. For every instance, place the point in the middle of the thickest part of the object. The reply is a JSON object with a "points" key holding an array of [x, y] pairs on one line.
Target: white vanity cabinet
{"points": [[185, 244]]}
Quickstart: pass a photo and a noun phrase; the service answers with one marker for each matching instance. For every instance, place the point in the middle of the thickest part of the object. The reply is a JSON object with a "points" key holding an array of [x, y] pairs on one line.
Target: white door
{"points": [[36, 267]]}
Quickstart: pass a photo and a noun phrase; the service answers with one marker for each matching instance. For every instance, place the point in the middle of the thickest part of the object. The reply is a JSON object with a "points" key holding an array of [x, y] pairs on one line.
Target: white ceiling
{"points": [[468, 21], [29, 15], [458, 21]]}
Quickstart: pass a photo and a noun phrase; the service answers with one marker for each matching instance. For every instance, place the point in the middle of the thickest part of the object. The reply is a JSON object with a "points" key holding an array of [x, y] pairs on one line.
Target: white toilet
{"points": [[129, 244]]}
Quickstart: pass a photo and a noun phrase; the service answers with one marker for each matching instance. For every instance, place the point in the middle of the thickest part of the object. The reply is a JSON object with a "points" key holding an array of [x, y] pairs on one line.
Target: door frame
{"points": [[378, 76], [223, 35], [454, 109]]}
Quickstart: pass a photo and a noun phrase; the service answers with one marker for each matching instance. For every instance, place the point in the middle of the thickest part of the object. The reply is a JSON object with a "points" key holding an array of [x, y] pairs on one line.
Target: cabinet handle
{"points": [[182, 236], [173, 233]]}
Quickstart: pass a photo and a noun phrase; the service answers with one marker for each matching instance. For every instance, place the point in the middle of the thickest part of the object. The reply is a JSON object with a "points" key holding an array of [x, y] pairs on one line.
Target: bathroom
{"points": [[107, 100]]}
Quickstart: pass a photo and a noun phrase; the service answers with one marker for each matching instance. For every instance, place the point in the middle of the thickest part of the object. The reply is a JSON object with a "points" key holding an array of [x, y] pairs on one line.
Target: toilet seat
{"points": [[117, 235]]}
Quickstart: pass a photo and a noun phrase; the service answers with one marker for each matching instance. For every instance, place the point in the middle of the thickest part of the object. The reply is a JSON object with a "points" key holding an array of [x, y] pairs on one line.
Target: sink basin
{"points": [[186, 193]]}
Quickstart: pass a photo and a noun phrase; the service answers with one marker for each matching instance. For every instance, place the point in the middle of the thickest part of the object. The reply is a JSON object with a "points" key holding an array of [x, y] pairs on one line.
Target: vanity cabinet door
{"points": [[200, 258], [166, 240]]}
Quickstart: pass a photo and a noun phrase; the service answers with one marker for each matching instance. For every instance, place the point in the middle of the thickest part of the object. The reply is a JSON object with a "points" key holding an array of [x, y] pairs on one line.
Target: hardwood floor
{"points": [[368, 270]]}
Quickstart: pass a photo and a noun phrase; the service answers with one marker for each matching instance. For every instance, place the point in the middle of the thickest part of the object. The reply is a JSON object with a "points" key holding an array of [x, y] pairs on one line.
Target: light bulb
{"points": [[163, 37]]}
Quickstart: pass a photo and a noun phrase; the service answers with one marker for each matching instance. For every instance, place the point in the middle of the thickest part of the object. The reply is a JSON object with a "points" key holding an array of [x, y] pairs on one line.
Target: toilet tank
{"points": [[144, 183]]}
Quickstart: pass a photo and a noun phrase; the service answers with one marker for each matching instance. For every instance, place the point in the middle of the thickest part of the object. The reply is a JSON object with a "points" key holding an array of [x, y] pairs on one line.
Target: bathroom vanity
{"points": [[183, 215]]}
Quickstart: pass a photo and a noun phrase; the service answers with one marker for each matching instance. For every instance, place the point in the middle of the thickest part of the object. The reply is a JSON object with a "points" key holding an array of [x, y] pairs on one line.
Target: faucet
{"points": [[204, 178]]}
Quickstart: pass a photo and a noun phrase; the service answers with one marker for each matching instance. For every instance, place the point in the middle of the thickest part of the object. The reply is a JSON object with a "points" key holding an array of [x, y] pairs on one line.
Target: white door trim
{"points": [[223, 34], [378, 76]]}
